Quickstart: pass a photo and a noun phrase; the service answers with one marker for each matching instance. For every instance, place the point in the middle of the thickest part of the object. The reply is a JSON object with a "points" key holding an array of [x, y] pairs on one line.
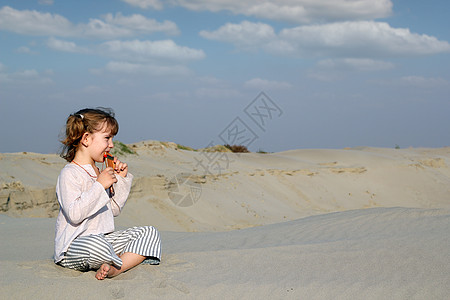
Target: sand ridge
{"points": [[255, 189]]}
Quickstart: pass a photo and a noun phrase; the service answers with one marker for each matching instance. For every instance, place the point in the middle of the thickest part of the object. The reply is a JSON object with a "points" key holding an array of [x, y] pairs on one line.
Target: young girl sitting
{"points": [[89, 200]]}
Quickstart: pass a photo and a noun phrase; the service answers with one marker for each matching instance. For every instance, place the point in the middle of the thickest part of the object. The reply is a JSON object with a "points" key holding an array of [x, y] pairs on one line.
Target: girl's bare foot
{"points": [[103, 272]]}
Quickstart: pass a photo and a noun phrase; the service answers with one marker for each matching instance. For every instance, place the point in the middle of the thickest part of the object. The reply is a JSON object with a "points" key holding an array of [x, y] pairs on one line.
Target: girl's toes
{"points": [[102, 272]]}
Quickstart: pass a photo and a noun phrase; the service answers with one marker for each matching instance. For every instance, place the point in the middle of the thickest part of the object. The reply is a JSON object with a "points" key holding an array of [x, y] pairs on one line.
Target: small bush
{"points": [[237, 148], [262, 151], [182, 147], [216, 148], [121, 149]]}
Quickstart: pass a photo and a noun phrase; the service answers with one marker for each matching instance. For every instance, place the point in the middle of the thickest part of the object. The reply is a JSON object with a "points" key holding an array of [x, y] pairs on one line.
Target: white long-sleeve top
{"points": [[85, 205]]}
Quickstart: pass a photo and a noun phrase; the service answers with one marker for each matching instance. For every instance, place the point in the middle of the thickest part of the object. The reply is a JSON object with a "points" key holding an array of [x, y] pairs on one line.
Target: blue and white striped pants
{"points": [[90, 252]]}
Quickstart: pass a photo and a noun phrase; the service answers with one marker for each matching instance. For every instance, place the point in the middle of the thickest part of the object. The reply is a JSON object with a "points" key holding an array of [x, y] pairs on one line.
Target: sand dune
{"points": [[394, 253], [360, 223]]}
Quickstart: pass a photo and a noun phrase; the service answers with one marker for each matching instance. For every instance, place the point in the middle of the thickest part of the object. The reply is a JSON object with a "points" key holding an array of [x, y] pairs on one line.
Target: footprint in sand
{"points": [[117, 292], [174, 264], [180, 286]]}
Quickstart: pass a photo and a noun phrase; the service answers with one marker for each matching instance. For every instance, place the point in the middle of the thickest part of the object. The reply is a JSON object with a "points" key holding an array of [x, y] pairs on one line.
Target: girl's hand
{"points": [[121, 168], [107, 177]]}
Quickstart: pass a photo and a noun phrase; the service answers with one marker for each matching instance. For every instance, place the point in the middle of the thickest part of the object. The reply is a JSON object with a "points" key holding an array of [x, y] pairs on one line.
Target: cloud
{"points": [[295, 11], [25, 50], [30, 76], [359, 39], [150, 69], [36, 23], [263, 84], [97, 28], [141, 57], [65, 46], [336, 69], [139, 23], [355, 64], [246, 35], [156, 4], [362, 38], [137, 50]]}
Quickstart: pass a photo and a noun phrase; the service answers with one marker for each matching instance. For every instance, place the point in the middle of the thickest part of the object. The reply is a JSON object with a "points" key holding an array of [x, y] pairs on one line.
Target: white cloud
{"points": [[25, 50], [36, 23], [135, 56], [246, 35], [30, 76], [329, 70], [156, 4], [65, 46], [363, 39], [151, 69], [139, 23], [137, 50], [264, 84], [295, 11], [27, 74], [100, 29], [357, 64], [359, 39]]}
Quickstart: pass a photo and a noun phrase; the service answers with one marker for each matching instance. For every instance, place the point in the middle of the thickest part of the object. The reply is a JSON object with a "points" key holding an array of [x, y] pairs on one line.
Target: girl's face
{"points": [[100, 142]]}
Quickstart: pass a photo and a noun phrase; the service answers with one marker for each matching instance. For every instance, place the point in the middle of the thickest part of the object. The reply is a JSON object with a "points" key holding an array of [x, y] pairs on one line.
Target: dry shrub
{"points": [[237, 148]]}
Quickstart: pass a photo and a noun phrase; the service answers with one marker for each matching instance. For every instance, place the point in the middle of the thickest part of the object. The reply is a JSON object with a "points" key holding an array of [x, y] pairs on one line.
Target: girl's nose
{"points": [[111, 144]]}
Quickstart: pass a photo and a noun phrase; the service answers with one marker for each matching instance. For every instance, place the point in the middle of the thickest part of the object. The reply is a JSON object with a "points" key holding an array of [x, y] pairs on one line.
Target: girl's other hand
{"points": [[121, 167], [107, 177]]}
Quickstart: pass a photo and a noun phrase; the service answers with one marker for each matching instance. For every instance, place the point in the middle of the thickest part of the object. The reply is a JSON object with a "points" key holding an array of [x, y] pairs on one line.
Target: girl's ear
{"points": [[85, 139]]}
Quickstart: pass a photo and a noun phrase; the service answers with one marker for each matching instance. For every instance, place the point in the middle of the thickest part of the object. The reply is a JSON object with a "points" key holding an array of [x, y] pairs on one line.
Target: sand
{"points": [[360, 223]]}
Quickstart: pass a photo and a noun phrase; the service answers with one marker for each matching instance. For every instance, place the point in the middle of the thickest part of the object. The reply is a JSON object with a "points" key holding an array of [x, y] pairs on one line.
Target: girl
{"points": [[85, 238]]}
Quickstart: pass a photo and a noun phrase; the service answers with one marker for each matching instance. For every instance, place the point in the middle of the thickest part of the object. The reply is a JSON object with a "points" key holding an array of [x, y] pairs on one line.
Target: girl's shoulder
{"points": [[68, 167], [79, 171], [70, 170]]}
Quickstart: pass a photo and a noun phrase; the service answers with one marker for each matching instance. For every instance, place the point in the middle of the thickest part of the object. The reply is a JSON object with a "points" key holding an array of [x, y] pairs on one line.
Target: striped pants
{"points": [[90, 252]]}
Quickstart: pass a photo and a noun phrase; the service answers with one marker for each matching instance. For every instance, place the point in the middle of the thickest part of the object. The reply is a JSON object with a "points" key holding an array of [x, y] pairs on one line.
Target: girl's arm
{"points": [[77, 204]]}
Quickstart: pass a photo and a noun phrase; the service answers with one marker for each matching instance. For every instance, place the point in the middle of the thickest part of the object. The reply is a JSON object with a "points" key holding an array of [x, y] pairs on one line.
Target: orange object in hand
{"points": [[109, 160]]}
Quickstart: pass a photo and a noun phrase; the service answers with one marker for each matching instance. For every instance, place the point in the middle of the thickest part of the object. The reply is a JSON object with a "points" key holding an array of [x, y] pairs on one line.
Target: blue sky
{"points": [[336, 73]]}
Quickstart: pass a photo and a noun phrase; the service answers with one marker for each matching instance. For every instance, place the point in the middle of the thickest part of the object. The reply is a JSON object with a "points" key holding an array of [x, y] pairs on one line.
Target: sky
{"points": [[270, 75]]}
